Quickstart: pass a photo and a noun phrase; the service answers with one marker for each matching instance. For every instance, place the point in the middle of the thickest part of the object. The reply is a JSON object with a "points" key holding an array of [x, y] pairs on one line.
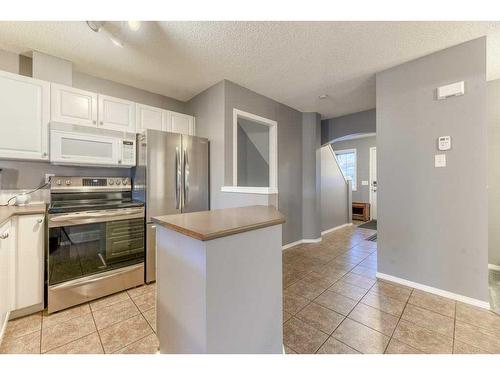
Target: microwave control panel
{"points": [[128, 152]]}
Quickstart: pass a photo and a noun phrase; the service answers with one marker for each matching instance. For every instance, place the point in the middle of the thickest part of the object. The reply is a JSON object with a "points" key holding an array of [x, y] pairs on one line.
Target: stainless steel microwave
{"points": [[84, 145]]}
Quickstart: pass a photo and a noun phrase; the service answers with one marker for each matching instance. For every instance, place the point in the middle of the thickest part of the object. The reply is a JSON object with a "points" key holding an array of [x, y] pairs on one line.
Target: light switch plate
{"points": [[364, 183], [440, 161]]}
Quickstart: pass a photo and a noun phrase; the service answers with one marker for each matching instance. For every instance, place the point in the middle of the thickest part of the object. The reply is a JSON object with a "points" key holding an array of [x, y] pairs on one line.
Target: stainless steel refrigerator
{"points": [[171, 177]]}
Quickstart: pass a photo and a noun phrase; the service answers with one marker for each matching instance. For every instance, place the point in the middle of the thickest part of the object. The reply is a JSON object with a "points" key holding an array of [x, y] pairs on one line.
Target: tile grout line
{"points": [[397, 324], [93, 319], [454, 329], [97, 330], [140, 313], [345, 317], [310, 301], [69, 342], [41, 332]]}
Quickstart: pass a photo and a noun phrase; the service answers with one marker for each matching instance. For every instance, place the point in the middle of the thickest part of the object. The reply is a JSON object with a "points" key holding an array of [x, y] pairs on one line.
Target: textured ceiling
{"points": [[291, 62]]}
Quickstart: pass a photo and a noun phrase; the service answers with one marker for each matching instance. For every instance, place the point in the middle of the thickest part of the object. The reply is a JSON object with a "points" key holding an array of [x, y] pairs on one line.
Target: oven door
{"points": [[89, 243]]}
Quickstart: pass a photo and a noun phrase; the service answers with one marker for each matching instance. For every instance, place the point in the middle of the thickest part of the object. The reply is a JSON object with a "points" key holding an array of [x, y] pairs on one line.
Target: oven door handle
{"points": [[93, 215]]}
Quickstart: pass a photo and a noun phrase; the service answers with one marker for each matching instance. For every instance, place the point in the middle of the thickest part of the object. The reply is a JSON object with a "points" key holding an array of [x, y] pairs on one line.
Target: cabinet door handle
{"points": [[39, 221], [4, 235], [94, 122]]}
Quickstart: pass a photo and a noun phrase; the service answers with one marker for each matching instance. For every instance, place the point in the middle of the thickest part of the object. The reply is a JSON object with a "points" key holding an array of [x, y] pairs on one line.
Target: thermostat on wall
{"points": [[444, 143]]}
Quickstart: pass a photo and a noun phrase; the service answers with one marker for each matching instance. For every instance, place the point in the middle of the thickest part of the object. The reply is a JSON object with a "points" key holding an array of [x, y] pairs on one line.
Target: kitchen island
{"points": [[219, 281]]}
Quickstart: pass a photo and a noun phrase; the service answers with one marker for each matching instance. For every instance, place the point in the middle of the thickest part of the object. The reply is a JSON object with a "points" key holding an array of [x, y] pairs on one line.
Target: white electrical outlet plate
{"points": [[48, 176], [364, 183], [440, 161]]}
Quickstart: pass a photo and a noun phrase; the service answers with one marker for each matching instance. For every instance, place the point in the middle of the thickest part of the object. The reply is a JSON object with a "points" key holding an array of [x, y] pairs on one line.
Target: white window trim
{"points": [[348, 151], [273, 155]]}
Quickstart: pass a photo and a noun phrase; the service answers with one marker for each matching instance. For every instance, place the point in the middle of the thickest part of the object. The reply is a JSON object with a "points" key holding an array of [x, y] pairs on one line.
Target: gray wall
{"points": [[289, 151], [311, 175], [433, 225], [356, 123], [493, 88], [208, 108], [335, 207], [9, 61], [362, 146], [31, 174], [86, 82], [52, 69]]}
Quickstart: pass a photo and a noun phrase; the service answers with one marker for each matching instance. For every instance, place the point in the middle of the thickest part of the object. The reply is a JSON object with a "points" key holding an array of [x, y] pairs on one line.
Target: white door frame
{"points": [[371, 180]]}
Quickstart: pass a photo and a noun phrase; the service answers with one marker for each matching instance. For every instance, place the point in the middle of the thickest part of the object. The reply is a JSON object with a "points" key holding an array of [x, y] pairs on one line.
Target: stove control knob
{"points": [[111, 182], [68, 182], [58, 182], [125, 181], [118, 182]]}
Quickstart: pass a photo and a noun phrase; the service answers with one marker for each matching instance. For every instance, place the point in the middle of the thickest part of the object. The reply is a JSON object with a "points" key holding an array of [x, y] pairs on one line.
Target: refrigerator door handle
{"points": [[177, 178], [185, 173]]}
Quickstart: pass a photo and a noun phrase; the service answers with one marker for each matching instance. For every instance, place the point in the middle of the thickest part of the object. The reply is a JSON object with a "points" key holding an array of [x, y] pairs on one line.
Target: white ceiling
{"points": [[291, 62]]}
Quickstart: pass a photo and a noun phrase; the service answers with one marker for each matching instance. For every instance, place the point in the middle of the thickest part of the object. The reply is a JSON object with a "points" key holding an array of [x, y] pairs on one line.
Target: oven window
{"points": [[82, 250]]}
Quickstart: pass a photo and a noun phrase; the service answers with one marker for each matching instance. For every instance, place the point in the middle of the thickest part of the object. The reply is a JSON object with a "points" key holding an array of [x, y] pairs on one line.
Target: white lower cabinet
{"points": [[29, 261], [6, 273], [21, 267]]}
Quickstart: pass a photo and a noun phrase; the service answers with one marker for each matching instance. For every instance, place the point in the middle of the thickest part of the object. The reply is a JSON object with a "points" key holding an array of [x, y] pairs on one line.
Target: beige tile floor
{"points": [[122, 323], [332, 302]]}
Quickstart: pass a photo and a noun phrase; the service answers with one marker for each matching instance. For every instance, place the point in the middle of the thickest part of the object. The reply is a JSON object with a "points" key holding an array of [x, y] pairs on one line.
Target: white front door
{"points": [[373, 183]]}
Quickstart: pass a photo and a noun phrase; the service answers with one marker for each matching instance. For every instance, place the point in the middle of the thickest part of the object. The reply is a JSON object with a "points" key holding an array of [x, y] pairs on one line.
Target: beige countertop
{"points": [[207, 225], [6, 212]]}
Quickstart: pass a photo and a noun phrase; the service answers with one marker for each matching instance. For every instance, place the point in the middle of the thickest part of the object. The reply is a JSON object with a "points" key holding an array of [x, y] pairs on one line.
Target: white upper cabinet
{"points": [[180, 123], [148, 117], [73, 106], [24, 117], [116, 114]]}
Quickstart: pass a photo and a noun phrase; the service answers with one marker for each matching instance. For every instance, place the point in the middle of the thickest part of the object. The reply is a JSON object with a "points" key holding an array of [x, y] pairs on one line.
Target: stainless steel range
{"points": [[96, 240]]}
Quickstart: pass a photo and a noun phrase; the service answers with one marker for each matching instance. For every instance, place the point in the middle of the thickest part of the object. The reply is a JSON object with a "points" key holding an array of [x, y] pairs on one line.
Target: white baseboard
{"points": [[335, 228], [439, 292], [292, 244], [315, 240], [494, 267]]}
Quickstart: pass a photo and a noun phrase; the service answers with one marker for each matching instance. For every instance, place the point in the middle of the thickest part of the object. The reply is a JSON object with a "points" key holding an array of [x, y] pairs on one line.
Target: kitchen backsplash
{"points": [[28, 175], [39, 196]]}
